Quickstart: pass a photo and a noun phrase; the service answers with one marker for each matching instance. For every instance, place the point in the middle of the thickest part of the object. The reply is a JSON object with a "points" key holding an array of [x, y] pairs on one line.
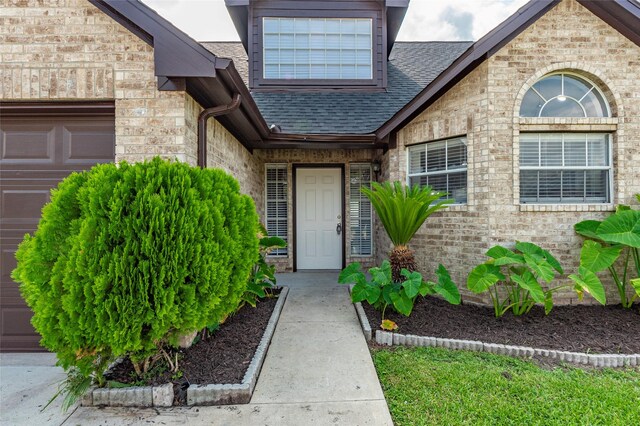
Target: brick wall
{"points": [[485, 107], [69, 50]]}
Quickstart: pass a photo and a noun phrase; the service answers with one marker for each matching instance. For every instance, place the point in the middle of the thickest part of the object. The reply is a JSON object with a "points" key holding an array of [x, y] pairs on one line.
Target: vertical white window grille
{"points": [[276, 204], [360, 210]]}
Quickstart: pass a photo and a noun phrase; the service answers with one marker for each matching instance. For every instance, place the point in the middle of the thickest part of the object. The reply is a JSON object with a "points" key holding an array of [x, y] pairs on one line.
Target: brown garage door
{"points": [[40, 146]]}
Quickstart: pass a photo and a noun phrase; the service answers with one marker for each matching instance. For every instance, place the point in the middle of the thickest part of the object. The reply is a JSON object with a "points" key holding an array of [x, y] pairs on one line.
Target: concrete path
{"points": [[318, 371]]}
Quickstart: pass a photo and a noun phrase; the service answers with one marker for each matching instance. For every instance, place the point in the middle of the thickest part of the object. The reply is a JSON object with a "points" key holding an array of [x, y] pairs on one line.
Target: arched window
{"points": [[564, 95], [570, 167]]}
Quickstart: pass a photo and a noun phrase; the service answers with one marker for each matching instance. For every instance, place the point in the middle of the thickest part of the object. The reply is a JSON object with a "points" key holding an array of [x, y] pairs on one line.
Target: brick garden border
{"points": [[212, 394], [389, 338]]}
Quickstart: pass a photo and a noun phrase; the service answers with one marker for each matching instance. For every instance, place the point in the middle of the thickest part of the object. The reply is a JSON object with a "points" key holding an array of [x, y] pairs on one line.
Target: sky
{"points": [[208, 20]]}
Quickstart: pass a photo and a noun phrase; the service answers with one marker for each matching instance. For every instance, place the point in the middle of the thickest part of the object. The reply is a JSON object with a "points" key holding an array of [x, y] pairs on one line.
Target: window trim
{"points": [[351, 165], [378, 75], [284, 166], [610, 168], [441, 172], [594, 86]]}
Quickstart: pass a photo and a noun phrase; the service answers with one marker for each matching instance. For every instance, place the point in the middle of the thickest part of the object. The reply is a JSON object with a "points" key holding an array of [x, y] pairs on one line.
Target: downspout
{"points": [[202, 125]]}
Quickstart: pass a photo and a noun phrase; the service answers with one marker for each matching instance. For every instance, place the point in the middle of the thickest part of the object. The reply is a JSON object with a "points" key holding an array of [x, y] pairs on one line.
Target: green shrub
{"points": [[128, 258], [517, 273], [617, 237], [382, 291], [263, 276]]}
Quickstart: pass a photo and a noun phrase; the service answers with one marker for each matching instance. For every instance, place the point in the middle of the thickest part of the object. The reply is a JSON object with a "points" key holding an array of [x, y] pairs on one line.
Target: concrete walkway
{"points": [[318, 371]]}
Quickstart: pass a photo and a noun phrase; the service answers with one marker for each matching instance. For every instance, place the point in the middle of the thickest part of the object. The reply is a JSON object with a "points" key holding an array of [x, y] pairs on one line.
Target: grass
{"points": [[433, 386]]}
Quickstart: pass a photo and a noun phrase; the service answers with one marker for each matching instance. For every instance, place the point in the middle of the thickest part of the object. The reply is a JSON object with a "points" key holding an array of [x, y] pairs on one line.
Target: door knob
{"points": [[339, 228]]}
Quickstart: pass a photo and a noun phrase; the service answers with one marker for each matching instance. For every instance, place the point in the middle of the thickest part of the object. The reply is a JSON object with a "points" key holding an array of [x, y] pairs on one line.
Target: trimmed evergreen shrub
{"points": [[127, 258]]}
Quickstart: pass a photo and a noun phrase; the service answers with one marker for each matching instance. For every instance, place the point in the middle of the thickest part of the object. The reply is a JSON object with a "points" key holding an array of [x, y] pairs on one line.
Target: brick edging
{"points": [[220, 394], [389, 338], [213, 394]]}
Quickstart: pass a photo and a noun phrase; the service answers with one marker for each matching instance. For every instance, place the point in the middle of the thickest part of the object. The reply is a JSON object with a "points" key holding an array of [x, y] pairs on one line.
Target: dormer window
{"points": [[317, 49]]}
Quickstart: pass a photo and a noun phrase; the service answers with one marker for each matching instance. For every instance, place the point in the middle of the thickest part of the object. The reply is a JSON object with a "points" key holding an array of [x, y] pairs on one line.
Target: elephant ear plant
{"points": [[382, 291], [617, 237], [262, 277], [402, 211], [519, 272]]}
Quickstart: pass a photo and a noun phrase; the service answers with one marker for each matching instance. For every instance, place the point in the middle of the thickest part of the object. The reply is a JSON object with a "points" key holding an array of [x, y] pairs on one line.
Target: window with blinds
{"points": [[565, 168], [317, 48], [360, 210], [441, 165], [276, 204]]}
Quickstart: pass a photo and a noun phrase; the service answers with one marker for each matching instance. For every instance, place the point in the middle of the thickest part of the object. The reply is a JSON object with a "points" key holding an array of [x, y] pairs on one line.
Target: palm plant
{"points": [[402, 211]]}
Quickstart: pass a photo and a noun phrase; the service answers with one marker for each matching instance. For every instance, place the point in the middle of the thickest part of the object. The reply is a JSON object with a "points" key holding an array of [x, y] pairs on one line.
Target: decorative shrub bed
{"points": [[131, 260], [587, 329]]}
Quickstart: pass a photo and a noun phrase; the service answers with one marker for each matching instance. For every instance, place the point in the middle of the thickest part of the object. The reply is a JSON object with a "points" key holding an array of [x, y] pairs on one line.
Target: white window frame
{"points": [[440, 172], [594, 88], [609, 194], [359, 219], [281, 166], [356, 49]]}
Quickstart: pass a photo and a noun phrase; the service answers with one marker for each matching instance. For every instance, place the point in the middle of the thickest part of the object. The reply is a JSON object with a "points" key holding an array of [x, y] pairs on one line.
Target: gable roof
{"points": [[623, 15], [183, 64], [411, 66]]}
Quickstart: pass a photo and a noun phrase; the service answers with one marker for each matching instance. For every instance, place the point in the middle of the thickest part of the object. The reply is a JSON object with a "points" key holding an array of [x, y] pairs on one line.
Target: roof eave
{"points": [[467, 62]]}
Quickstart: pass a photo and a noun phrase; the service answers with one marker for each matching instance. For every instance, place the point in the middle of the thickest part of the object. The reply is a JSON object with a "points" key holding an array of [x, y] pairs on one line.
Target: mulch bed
{"points": [[588, 329], [221, 358]]}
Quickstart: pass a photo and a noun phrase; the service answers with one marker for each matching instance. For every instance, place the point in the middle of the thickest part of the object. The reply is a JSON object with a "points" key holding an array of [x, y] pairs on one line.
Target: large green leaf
{"points": [[596, 257], [622, 227], [270, 243], [504, 256], [402, 302], [540, 267], [373, 293], [446, 287], [401, 209], [588, 228], [351, 274], [636, 285], [413, 282], [548, 302], [483, 276], [588, 281], [528, 282], [539, 253], [359, 293]]}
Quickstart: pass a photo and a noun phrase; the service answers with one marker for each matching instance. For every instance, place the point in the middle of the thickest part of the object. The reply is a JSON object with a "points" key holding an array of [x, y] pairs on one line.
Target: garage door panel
{"points": [[25, 144], [37, 153], [88, 143]]}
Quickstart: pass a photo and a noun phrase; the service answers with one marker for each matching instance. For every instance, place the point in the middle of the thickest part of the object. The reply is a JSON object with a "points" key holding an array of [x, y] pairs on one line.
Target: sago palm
{"points": [[402, 211]]}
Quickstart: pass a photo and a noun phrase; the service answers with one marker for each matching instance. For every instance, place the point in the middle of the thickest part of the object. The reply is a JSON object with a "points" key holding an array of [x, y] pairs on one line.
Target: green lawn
{"points": [[433, 386]]}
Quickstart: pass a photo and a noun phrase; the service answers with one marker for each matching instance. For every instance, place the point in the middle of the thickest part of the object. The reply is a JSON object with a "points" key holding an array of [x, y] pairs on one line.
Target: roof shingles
{"points": [[411, 67]]}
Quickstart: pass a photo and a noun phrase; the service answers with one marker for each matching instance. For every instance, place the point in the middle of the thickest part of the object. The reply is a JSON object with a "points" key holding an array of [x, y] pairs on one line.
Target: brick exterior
{"points": [[69, 50], [485, 107]]}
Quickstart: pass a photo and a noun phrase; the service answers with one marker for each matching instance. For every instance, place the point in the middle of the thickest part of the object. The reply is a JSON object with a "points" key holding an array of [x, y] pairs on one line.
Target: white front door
{"points": [[318, 214]]}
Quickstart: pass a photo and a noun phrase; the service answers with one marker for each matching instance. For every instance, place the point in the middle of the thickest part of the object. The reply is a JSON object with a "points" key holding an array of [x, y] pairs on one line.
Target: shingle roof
{"points": [[412, 65]]}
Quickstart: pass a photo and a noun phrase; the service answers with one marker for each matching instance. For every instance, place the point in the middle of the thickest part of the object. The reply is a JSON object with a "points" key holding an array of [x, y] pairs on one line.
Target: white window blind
{"points": [[360, 210], [317, 48], [441, 165], [276, 204], [565, 168]]}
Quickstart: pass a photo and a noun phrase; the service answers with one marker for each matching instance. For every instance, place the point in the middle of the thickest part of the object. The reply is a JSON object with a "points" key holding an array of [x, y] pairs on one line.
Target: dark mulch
{"points": [[222, 357], [592, 329]]}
